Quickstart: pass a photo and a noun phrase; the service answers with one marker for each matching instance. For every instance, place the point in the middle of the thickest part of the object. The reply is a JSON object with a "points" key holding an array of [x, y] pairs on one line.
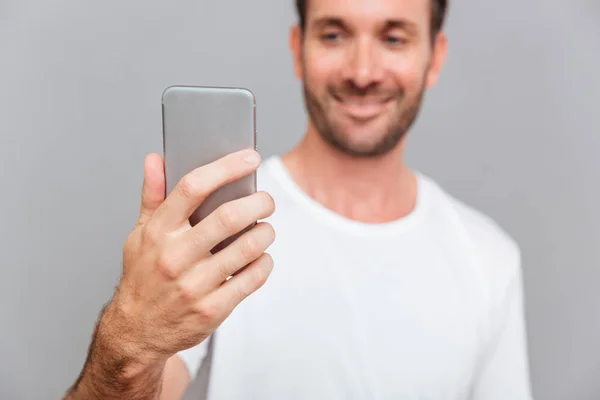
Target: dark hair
{"points": [[438, 14]]}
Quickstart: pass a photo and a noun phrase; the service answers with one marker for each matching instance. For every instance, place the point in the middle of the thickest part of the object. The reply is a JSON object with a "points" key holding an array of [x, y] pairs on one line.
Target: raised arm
{"points": [[173, 292]]}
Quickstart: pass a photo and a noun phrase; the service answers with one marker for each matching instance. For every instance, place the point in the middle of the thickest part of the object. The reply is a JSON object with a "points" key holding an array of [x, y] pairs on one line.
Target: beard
{"points": [[405, 112]]}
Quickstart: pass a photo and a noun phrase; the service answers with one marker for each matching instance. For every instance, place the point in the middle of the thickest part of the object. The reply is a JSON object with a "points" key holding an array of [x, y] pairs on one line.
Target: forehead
{"points": [[370, 11]]}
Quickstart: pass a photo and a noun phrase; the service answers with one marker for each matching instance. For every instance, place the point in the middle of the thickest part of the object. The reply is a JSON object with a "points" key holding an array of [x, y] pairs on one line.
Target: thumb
{"points": [[153, 189]]}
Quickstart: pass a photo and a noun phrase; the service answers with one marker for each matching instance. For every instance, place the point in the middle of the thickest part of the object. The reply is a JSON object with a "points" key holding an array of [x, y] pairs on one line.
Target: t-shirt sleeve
{"points": [[504, 367], [502, 370], [194, 357]]}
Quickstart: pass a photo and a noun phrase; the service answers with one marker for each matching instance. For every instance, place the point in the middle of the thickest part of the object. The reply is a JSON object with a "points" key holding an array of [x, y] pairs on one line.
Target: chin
{"points": [[363, 134], [359, 146], [373, 139]]}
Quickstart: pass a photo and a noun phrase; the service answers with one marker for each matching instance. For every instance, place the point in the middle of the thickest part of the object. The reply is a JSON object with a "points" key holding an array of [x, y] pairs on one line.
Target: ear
{"points": [[295, 43], [438, 59]]}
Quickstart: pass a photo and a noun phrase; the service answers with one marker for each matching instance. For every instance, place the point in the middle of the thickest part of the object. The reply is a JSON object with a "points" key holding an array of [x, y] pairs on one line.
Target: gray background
{"points": [[513, 129]]}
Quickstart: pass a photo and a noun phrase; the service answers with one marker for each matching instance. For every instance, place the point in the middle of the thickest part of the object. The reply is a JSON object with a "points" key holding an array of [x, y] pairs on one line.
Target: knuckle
{"points": [[168, 267], [149, 235], [249, 248], [228, 216], [222, 267], [187, 290], [242, 293], [207, 312], [188, 187], [198, 237]]}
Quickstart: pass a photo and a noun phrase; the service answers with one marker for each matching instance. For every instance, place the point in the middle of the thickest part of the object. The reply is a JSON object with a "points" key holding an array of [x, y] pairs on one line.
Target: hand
{"points": [[174, 292]]}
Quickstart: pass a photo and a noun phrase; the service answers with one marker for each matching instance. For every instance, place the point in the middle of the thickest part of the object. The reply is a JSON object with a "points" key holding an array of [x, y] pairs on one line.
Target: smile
{"points": [[362, 108]]}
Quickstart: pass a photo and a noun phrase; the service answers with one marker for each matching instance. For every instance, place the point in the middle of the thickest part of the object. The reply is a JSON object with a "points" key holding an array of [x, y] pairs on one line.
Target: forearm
{"points": [[113, 370]]}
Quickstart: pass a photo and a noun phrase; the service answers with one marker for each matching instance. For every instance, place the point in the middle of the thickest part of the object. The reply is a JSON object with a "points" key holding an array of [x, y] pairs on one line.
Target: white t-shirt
{"points": [[427, 307]]}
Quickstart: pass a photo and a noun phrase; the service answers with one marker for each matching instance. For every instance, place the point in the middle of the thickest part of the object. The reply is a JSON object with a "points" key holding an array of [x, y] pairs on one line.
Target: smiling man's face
{"points": [[365, 65]]}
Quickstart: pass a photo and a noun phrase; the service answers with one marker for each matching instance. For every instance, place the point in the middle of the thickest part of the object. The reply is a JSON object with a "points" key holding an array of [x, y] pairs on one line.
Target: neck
{"points": [[372, 189]]}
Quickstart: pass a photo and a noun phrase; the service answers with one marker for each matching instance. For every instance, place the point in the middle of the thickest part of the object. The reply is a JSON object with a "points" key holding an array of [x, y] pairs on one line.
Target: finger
{"points": [[153, 188], [198, 184], [238, 288], [211, 272], [227, 220], [191, 246]]}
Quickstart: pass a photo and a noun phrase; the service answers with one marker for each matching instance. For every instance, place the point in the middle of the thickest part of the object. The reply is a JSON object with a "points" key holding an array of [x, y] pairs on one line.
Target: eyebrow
{"points": [[328, 21], [402, 24]]}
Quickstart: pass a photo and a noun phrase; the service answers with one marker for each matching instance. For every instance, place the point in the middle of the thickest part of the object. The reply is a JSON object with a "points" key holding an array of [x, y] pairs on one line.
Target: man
{"points": [[386, 287]]}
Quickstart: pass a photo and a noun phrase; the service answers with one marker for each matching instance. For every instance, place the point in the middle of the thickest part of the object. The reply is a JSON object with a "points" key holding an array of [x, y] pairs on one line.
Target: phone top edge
{"points": [[248, 92]]}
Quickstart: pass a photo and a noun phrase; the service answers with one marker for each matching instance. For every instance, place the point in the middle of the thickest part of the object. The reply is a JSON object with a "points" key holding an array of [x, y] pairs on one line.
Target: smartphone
{"points": [[200, 125]]}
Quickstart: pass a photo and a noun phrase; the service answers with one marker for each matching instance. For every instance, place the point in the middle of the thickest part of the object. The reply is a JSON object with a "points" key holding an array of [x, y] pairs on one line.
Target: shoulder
{"points": [[494, 252], [485, 233]]}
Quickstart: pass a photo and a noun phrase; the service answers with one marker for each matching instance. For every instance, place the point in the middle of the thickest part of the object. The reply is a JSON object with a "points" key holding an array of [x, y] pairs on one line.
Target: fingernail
{"points": [[252, 157]]}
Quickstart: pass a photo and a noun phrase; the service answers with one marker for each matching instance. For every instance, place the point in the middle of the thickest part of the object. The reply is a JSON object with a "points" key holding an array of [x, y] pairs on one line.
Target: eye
{"points": [[331, 36], [395, 40]]}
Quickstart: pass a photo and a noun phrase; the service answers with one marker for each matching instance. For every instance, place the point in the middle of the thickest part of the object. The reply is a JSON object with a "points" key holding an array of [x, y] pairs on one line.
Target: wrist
{"points": [[98, 382], [117, 365], [120, 351], [121, 362]]}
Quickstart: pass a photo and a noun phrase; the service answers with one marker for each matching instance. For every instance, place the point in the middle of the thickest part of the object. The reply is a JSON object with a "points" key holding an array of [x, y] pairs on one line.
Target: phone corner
{"points": [[167, 91], [249, 94]]}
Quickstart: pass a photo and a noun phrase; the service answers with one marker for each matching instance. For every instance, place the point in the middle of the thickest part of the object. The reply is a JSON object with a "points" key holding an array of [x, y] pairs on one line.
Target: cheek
{"points": [[407, 72], [321, 67]]}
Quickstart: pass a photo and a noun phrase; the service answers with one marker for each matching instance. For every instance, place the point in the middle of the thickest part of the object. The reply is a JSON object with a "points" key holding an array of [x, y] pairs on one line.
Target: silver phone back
{"points": [[201, 125]]}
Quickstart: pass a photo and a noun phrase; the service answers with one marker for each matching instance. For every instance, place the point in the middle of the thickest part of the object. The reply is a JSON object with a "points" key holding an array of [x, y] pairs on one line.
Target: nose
{"points": [[363, 66]]}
